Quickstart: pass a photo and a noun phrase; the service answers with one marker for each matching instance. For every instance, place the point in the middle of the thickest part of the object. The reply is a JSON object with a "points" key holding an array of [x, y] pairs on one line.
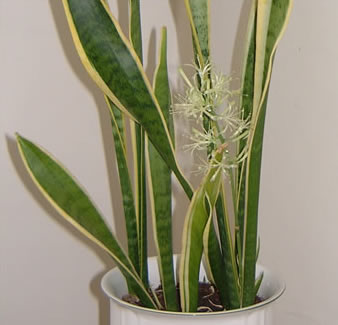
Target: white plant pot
{"points": [[123, 313]]}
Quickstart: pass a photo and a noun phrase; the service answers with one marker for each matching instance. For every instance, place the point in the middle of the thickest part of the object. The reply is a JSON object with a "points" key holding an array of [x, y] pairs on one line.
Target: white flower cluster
{"points": [[209, 101]]}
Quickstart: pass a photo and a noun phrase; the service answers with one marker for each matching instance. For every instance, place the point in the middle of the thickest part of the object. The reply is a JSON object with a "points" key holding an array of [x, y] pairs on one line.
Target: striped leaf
{"points": [[214, 261], [231, 296], [160, 187], [279, 12], [258, 282], [114, 66], [202, 202], [199, 15], [247, 105], [161, 85], [262, 24], [138, 137], [118, 127], [135, 31], [138, 141], [74, 205]]}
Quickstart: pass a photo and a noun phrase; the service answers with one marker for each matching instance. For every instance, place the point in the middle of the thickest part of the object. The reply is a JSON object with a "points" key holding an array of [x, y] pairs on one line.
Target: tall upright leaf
{"points": [[135, 30], [138, 140], [273, 31], [230, 271], [74, 205], [160, 186], [114, 66], [201, 205], [246, 104], [199, 15], [118, 127], [214, 260]]}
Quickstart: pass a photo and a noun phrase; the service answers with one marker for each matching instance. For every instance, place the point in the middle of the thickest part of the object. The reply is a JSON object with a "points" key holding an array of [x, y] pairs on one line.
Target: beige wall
{"points": [[49, 274]]}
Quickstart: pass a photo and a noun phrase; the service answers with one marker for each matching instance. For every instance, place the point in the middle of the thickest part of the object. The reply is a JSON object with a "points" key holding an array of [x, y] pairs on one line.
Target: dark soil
{"points": [[208, 298]]}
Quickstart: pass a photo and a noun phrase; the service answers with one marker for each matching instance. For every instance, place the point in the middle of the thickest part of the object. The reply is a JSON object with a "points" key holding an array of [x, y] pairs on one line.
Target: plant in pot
{"points": [[228, 131]]}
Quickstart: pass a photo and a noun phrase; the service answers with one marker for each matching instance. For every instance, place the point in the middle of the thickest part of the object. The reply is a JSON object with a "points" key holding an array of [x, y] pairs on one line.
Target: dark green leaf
{"points": [[66, 196], [115, 67], [280, 12], [160, 187], [125, 183], [203, 201], [138, 139], [198, 13]]}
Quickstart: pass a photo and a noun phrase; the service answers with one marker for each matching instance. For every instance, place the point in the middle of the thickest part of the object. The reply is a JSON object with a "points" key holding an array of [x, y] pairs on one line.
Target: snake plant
{"points": [[231, 139]]}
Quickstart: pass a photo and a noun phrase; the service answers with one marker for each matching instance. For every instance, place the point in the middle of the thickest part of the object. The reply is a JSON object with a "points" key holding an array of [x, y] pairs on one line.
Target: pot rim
{"points": [[105, 287]]}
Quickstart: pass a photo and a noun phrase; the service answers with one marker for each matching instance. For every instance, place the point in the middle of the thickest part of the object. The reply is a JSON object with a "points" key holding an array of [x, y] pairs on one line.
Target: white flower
{"points": [[211, 103]]}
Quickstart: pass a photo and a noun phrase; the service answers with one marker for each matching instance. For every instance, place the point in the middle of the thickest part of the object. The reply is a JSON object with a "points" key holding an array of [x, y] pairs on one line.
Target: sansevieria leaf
{"points": [[138, 144], [246, 103], [199, 16], [67, 197], [135, 31], [214, 260], [201, 205], [114, 65], [231, 296], [160, 186], [273, 31], [118, 127]]}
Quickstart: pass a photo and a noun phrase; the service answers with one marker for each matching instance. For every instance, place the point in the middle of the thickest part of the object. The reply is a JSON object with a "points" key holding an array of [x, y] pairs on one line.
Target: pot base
{"points": [[123, 313]]}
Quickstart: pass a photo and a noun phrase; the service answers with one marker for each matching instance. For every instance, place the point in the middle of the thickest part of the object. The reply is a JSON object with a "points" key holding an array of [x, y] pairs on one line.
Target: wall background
{"points": [[49, 274]]}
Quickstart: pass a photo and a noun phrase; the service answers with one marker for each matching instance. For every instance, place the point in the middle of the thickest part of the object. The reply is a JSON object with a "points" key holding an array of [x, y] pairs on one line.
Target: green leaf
{"points": [[161, 85], [160, 196], [114, 66], [199, 15], [138, 138], [138, 141], [258, 283], [67, 197], [215, 262], [135, 30], [202, 202], [246, 104], [273, 31], [262, 24], [125, 183], [231, 297], [160, 187]]}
